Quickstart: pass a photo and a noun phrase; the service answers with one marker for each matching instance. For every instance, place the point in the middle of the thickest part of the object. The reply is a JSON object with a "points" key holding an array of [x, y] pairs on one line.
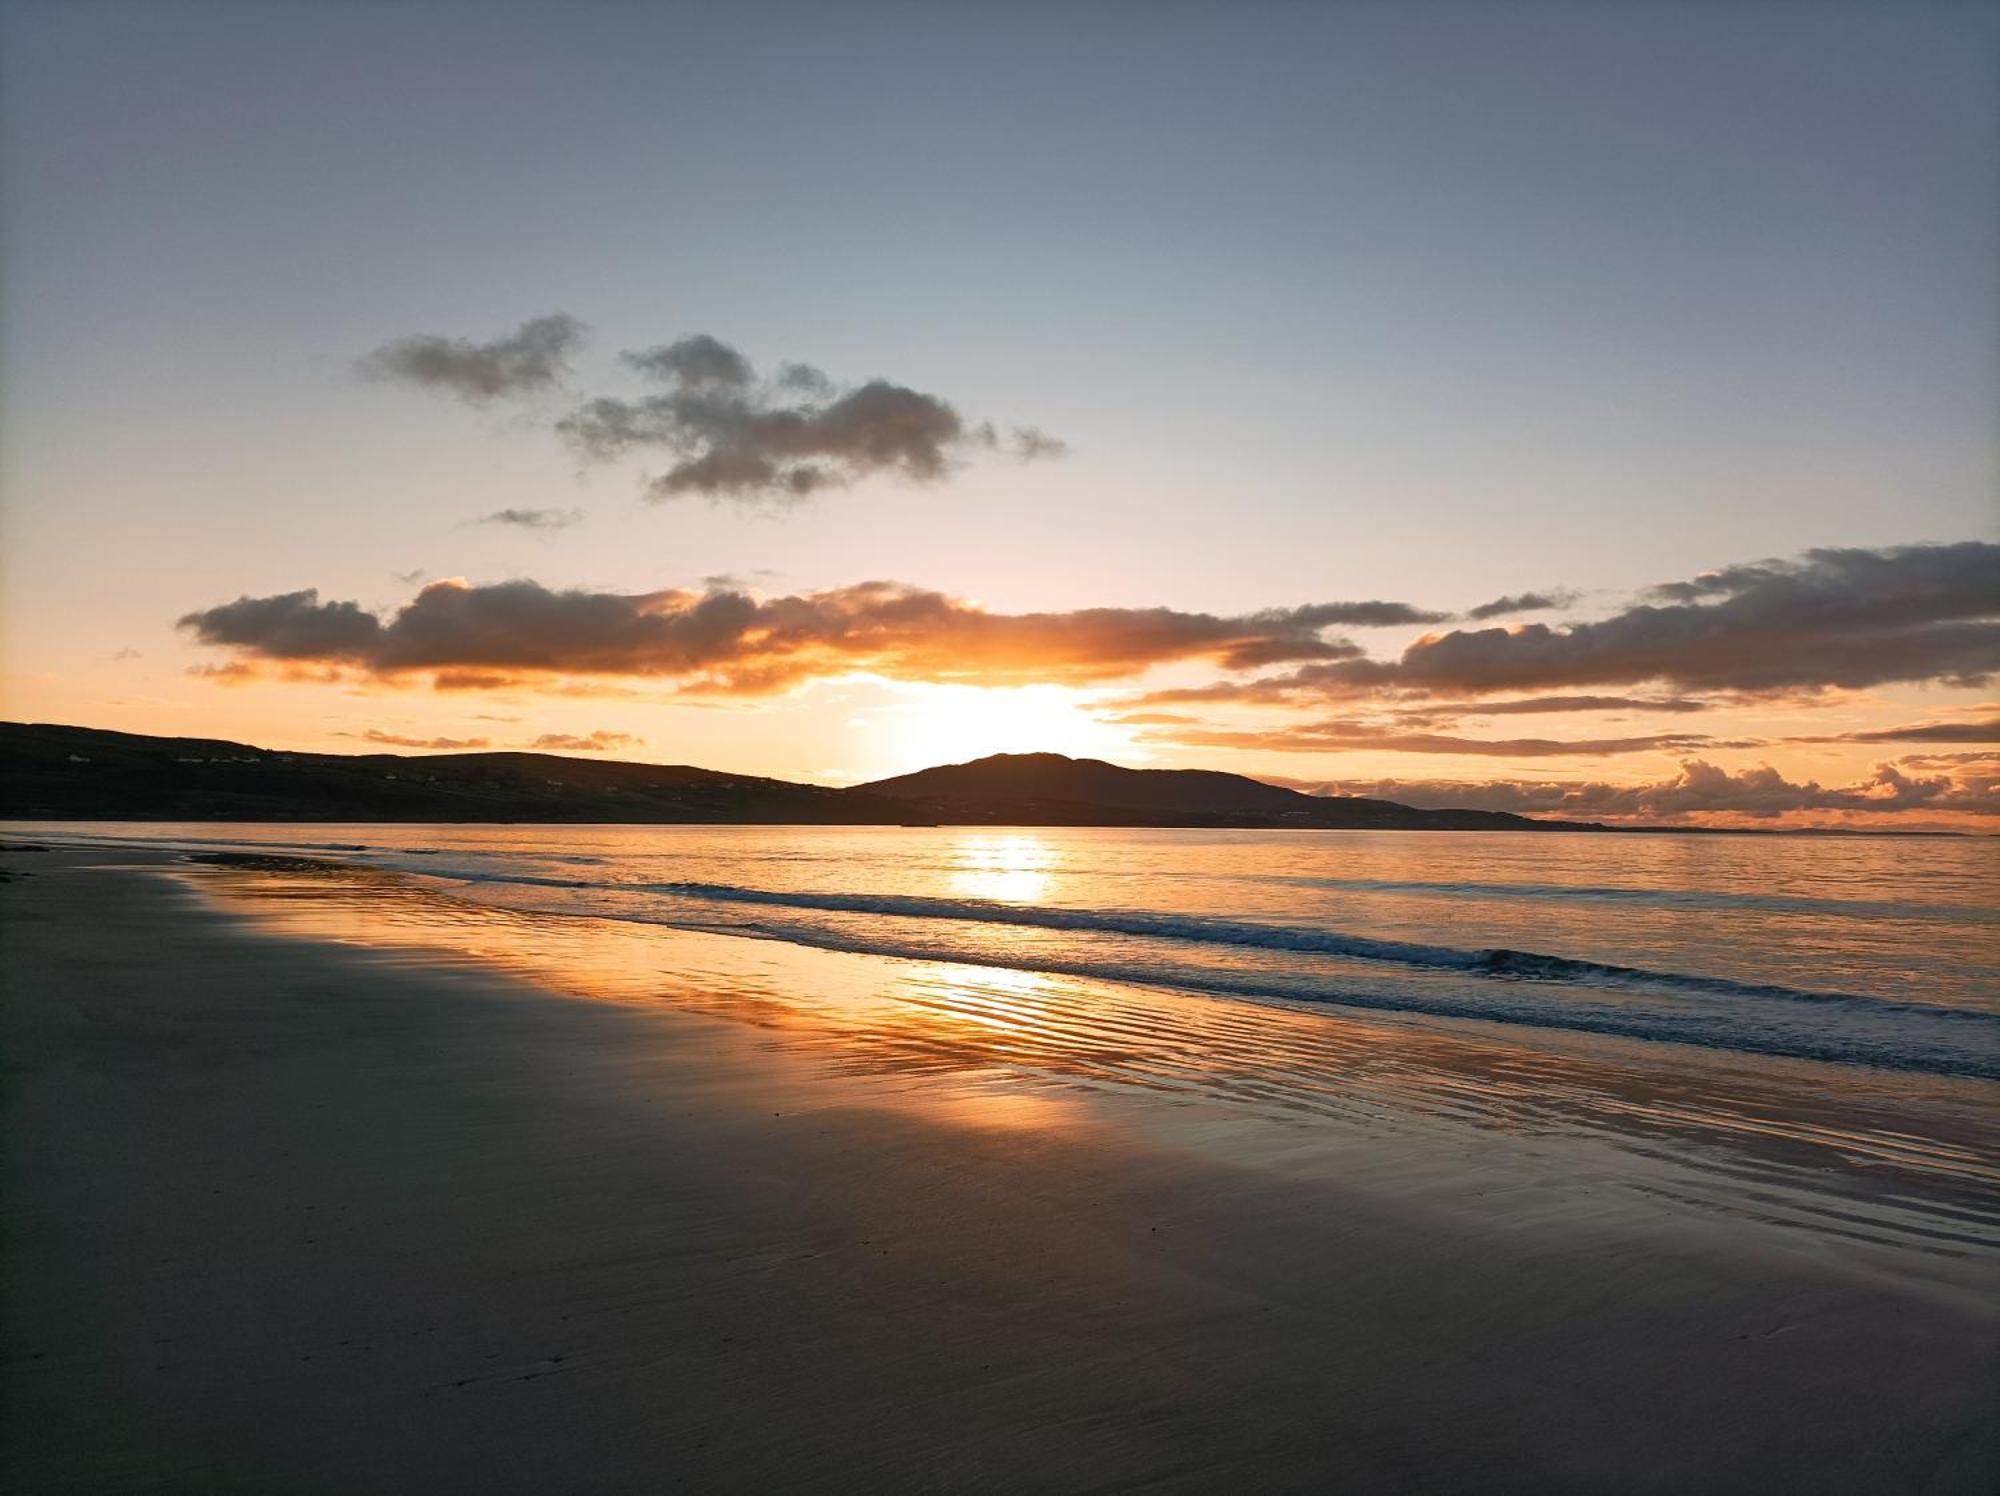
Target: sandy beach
{"points": [[333, 1214]]}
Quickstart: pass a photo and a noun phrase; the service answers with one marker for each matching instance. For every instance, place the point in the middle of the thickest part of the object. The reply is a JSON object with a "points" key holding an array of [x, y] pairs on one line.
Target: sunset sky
{"points": [[1585, 409]]}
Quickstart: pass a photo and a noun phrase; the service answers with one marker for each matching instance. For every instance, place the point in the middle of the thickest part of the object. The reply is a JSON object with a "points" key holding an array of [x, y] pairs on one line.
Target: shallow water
{"points": [[1876, 953]]}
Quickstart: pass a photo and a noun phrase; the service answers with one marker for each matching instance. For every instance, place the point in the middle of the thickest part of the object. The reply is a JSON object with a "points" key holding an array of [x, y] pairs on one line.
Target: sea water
{"points": [[1874, 952]]}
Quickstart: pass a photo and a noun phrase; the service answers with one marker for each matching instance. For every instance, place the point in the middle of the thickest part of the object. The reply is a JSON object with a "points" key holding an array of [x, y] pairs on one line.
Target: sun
{"points": [[951, 724]]}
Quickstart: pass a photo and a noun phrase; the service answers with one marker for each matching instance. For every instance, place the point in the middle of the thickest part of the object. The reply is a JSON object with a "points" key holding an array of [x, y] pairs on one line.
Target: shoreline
{"points": [[1951, 1050], [1542, 828], [292, 1214]]}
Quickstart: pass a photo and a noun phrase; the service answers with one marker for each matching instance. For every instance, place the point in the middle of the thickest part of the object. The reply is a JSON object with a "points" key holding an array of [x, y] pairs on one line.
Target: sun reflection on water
{"points": [[1009, 869], [996, 1046]]}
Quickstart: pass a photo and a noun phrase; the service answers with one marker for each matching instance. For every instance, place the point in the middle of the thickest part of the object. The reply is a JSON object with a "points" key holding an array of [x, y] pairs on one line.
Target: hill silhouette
{"points": [[50, 772], [77, 773], [1051, 789]]}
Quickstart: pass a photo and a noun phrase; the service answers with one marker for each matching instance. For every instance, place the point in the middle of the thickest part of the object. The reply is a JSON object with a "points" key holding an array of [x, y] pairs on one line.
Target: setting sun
{"points": [[952, 724]]}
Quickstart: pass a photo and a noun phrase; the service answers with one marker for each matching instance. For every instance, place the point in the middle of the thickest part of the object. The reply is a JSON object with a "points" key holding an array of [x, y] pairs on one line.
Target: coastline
{"points": [[297, 1214]]}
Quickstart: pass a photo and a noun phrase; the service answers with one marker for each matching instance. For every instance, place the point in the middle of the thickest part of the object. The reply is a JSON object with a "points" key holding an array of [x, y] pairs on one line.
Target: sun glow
{"points": [[951, 724], [1012, 869]]}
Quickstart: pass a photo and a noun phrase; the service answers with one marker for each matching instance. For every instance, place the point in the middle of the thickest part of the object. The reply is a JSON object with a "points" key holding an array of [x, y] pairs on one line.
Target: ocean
{"points": [[1875, 952]]}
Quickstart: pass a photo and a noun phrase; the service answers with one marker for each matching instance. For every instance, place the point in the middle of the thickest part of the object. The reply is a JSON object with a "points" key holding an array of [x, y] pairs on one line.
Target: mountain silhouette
{"points": [[77, 773], [1051, 789]]}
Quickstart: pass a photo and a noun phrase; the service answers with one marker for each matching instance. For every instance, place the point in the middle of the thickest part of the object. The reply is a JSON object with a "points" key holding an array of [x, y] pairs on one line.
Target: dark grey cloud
{"points": [[1831, 619], [1834, 618], [732, 435], [1022, 443], [1700, 789], [1918, 732], [738, 580], [532, 519], [1356, 737], [727, 640], [729, 433], [1416, 729], [288, 626], [533, 358], [1523, 602], [804, 379], [697, 362], [1310, 680], [1304, 683], [1987, 759], [1439, 711], [443, 680], [731, 444], [1373, 614]]}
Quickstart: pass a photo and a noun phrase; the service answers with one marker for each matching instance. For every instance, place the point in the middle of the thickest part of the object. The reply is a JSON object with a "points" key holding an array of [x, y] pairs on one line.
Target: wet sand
{"points": [[285, 1214]]}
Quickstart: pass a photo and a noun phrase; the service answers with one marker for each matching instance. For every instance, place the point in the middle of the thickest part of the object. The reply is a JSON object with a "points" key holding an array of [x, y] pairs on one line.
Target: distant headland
{"points": [[50, 772]]}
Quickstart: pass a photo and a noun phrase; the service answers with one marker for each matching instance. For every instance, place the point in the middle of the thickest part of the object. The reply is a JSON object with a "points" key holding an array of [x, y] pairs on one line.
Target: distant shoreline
{"points": [[59, 773]]}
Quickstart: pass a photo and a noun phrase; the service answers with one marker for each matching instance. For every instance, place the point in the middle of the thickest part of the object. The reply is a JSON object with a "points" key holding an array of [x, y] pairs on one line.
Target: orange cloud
{"points": [[727, 641]]}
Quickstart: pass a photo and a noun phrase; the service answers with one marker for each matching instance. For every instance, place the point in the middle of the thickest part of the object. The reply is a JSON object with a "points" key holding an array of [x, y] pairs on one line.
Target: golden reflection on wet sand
{"points": [[1891, 1157]]}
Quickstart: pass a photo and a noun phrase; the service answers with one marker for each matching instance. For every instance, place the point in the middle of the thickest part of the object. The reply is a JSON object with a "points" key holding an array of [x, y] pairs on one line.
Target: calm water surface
{"points": [[1870, 952]]}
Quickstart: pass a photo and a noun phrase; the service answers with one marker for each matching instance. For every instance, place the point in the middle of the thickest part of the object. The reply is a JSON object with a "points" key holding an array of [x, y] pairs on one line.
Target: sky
{"points": [[826, 391]]}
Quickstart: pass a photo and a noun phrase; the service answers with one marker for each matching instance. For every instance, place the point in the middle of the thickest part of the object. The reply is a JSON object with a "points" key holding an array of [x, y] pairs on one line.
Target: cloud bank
{"points": [[1701, 791], [1768, 636], [727, 640], [1833, 619]]}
